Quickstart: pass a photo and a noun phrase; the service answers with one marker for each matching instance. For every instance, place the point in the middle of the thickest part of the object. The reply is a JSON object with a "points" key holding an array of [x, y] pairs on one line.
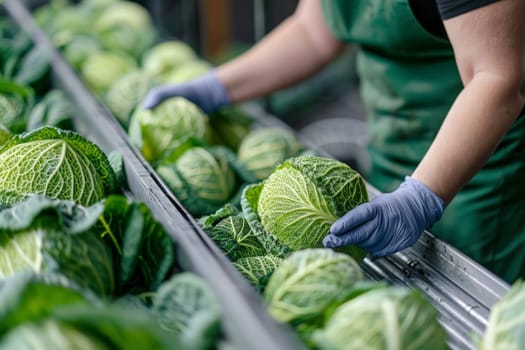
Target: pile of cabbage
{"points": [[114, 47], [81, 265]]}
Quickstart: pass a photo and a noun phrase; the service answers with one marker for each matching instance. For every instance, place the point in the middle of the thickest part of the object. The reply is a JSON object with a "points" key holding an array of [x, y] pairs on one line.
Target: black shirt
{"points": [[431, 13]]}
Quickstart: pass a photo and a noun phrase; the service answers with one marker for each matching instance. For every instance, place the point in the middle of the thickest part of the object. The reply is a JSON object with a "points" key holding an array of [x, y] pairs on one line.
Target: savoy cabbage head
{"points": [[381, 319], [126, 93], [262, 149], [296, 205], [55, 163], [154, 132], [166, 56], [202, 177], [307, 282]]}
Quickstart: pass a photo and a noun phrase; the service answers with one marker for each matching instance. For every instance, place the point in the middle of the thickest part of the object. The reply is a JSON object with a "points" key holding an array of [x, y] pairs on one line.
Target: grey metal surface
{"points": [[245, 320]]}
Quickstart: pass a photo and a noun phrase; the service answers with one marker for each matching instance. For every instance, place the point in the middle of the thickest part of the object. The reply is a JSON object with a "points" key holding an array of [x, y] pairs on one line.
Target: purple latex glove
{"points": [[205, 91], [390, 222]]}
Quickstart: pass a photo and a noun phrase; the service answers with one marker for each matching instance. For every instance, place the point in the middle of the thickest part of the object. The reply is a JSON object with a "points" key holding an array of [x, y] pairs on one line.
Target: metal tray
{"points": [[462, 291], [245, 320]]}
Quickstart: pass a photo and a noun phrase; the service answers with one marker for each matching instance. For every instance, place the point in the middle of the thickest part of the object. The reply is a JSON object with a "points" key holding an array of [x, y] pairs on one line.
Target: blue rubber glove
{"points": [[205, 91], [390, 222]]}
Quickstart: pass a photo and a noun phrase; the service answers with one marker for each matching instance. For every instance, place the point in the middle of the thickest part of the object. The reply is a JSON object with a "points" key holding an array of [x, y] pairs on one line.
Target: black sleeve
{"points": [[452, 8]]}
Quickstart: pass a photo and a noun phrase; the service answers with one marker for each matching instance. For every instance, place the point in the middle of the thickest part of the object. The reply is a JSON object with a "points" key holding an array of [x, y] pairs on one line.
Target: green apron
{"points": [[409, 80]]}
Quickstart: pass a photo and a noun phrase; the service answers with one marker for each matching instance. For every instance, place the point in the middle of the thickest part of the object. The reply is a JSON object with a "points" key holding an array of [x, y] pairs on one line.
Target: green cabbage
{"points": [[263, 149], [100, 70], [186, 306], [383, 319], [44, 235], [5, 134], [126, 93], [79, 48], [158, 130], [201, 178], [56, 163], [167, 56], [296, 205], [187, 71], [307, 282], [235, 238], [125, 26]]}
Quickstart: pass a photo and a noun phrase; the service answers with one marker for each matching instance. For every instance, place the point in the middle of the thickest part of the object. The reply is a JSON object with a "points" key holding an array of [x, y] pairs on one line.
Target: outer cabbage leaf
{"points": [[258, 269], [506, 324], [383, 318], [186, 306], [303, 197], [161, 129], [263, 149], [145, 251], [53, 110], [29, 297], [55, 236], [56, 163], [307, 282], [249, 200], [126, 93], [91, 327], [79, 48], [235, 237]]}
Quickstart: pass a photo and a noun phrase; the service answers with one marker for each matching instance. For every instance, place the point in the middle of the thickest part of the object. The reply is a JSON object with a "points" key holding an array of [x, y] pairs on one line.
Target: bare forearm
{"points": [[476, 123], [298, 48]]}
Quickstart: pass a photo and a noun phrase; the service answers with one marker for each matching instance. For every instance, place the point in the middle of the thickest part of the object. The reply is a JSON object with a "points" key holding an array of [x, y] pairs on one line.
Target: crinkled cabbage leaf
{"points": [[55, 163]]}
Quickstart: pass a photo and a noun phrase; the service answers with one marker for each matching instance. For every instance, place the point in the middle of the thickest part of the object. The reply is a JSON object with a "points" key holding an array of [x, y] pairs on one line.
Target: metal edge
{"points": [[246, 320]]}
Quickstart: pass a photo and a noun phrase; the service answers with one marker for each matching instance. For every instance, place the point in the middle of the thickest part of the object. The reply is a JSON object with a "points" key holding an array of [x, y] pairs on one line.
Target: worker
{"points": [[443, 83]]}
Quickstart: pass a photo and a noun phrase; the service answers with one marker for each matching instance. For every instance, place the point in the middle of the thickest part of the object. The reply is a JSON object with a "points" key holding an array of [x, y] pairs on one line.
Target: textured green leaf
{"points": [[65, 216], [293, 209], [50, 334], [384, 318], [161, 129], [202, 182], [28, 297], [308, 281], [56, 163], [84, 258], [118, 327], [265, 148], [235, 238], [33, 66], [185, 305], [249, 199], [258, 269], [342, 187]]}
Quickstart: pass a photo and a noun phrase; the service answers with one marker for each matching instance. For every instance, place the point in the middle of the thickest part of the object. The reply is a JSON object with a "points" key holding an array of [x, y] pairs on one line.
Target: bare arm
{"points": [[296, 49], [489, 47]]}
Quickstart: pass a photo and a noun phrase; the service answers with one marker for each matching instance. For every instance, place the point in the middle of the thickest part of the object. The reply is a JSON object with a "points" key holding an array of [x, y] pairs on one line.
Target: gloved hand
{"points": [[390, 222], [205, 91]]}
